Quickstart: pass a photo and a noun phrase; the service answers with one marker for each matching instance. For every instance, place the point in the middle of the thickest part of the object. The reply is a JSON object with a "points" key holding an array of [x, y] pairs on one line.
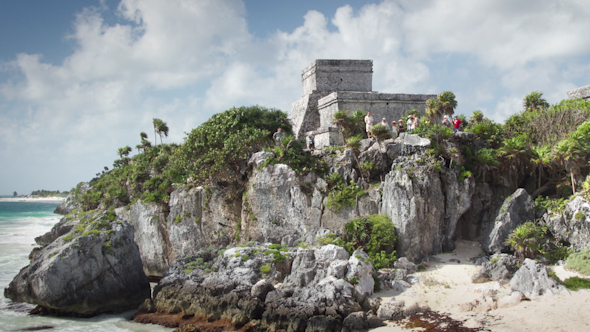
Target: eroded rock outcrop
{"points": [[573, 225], [533, 280], [231, 287], [72, 201], [85, 273], [516, 210]]}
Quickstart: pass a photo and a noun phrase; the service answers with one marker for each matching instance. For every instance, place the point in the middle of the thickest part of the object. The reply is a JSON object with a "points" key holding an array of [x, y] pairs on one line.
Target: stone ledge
{"points": [[581, 92]]}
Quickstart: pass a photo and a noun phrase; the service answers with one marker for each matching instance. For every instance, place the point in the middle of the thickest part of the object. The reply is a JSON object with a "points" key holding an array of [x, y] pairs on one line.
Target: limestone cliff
{"points": [[428, 206]]}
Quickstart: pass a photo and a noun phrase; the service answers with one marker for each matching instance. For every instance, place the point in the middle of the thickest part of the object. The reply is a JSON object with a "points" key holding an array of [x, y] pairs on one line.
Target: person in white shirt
{"points": [[369, 124], [385, 124]]}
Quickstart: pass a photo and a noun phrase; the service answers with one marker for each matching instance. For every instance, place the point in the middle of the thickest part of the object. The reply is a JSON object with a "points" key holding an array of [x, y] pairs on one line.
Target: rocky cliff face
{"points": [[84, 273], [430, 208], [573, 225], [235, 286]]}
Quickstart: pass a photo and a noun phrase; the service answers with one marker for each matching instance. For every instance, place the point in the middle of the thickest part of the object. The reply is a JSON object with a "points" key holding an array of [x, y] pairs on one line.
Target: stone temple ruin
{"points": [[583, 92], [330, 86]]}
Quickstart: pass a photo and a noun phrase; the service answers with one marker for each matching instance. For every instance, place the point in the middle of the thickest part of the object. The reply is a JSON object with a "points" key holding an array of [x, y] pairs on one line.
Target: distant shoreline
{"points": [[33, 199]]}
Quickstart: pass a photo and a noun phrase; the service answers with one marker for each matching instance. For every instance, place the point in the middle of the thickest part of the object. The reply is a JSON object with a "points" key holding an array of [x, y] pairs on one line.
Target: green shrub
{"points": [[277, 255], [265, 268], [374, 234], [527, 239], [435, 132], [579, 261], [545, 203], [343, 196], [221, 146], [576, 283], [556, 253]]}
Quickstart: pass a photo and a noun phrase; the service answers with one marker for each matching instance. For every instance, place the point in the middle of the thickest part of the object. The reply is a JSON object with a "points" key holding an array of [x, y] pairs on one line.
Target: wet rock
{"points": [[85, 276], [63, 227]]}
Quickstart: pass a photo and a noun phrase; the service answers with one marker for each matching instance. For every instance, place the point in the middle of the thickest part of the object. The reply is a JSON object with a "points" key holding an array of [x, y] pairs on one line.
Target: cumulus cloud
{"points": [[184, 60]]}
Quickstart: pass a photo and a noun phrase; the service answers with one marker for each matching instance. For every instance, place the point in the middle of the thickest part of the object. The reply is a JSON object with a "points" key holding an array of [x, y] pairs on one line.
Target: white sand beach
{"points": [[32, 199], [445, 285]]}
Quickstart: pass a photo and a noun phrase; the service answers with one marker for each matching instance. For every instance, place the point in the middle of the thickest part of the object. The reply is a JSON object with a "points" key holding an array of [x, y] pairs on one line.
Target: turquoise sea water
{"points": [[20, 223]]}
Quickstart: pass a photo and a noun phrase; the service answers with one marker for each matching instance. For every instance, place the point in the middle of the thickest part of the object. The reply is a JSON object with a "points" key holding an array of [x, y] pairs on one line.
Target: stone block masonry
{"points": [[582, 92], [329, 86]]}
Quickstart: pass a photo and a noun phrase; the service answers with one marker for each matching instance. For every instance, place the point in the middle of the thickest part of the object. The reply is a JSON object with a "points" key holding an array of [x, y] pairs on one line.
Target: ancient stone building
{"points": [[583, 92], [333, 85]]}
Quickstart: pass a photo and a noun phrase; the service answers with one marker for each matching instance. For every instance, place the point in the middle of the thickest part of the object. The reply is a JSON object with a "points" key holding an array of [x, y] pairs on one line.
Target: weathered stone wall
{"points": [[381, 105], [337, 75], [304, 115], [327, 137], [329, 86], [582, 92]]}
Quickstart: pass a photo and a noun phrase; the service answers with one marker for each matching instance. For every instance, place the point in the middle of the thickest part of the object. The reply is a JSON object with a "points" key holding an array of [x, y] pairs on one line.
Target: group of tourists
{"points": [[411, 124], [396, 127]]}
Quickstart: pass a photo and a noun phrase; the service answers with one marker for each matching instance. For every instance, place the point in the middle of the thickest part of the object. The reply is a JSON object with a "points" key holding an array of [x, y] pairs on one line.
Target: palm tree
{"points": [[447, 102], [534, 100], [160, 128], [526, 240], [124, 152], [433, 108]]}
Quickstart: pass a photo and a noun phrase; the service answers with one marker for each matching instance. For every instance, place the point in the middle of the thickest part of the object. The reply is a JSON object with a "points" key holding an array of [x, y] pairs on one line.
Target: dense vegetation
{"points": [[49, 193], [374, 234], [216, 151]]}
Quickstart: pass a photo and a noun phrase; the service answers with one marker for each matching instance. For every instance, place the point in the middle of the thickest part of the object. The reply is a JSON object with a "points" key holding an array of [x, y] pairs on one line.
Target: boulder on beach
{"points": [[96, 268]]}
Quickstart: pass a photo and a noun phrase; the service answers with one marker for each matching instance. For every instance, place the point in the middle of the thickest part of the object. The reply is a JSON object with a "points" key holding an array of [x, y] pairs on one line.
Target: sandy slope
{"points": [[445, 285]]}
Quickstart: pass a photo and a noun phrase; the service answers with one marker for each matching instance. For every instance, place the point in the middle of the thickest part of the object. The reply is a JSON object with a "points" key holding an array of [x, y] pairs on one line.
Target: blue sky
{"points": [[81, 78]]}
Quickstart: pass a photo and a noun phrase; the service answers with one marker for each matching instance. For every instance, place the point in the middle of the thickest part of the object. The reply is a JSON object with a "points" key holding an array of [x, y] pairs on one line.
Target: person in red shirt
{"points": [[457, 123]]}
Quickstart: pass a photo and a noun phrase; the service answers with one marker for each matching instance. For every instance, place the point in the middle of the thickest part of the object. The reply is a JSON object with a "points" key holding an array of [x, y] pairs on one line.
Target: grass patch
{"points": [[579, 261], [576, 283]]}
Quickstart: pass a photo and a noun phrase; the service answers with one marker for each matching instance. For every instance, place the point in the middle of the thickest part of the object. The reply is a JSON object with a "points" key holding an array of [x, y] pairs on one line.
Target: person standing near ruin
{"points": [[385, 124], [278, 137], [410, 124], [311, 138], [369, 124], [393, 129], [457, 123], [416, 122], [446, 122], [400, 127]]}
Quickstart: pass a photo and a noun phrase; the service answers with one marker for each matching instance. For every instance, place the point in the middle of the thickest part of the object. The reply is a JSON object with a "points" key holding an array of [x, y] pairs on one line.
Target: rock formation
{"points": [[85, 272], [516, 210], [321, 290], [573, 225]]}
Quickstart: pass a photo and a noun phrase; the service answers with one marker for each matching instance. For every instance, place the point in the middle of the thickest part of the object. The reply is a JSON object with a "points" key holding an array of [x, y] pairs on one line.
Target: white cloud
{"points": [[184, 60]]}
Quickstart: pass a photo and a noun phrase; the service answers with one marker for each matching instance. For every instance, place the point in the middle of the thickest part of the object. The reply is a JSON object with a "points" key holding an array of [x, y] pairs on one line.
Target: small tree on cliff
{"points": [[447, 102], [160, 128], [534, 100], [433, 109]]}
